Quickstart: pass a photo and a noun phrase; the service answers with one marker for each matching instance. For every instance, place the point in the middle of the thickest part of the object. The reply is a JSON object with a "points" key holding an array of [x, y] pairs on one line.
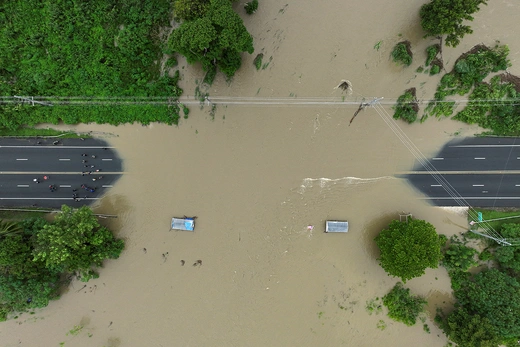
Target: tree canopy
{"points": [[495, 296], [470, 330], [403, 306], [75, 242], [445, 17], [408, 248], [216, 39], [35, 262]]}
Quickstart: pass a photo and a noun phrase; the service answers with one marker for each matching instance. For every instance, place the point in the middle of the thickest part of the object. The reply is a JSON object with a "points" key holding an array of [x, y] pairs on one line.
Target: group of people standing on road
{"points": [[86, 164]]}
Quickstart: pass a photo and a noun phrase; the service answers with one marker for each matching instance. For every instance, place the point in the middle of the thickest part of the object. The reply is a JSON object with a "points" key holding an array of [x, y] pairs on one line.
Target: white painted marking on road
{"points": [[435, 185], [107, 186], [106, 159], [64, 186], [469, 146], [437, 158], [23, 185], [64, 159], [517, 185], [22, 159], [484, 192], [479, 158], [478, 185]]}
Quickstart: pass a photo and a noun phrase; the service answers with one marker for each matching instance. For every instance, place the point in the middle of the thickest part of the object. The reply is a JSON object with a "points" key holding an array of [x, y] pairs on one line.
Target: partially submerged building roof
{"points": [[333, 226], [187, 224]]}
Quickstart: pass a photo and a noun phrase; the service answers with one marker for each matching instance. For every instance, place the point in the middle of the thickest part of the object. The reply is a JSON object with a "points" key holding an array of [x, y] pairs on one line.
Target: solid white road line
{"points": [[480, 158], [23, 185], [106, 186], [478, 185], [64, 159], [435, 185], [437, 158], [473, 198], [469, 146], [22, 159], [106, 159], [64, 186]]}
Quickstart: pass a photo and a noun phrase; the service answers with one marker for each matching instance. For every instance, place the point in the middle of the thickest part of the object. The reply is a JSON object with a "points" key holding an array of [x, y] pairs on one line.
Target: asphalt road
{"points": [[483, 171], [29, 166]]}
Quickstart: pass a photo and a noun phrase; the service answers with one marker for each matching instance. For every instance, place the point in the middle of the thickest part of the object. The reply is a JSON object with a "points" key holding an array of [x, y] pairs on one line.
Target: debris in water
{"points": [[345, 85]]}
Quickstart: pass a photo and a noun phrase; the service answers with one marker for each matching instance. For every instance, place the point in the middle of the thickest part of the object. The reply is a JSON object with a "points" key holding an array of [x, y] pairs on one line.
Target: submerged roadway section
{"points": [[485, 171], [50, 173]]}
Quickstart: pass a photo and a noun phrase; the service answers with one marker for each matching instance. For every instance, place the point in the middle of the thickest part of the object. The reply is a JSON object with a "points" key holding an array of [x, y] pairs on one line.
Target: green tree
{"points": [[459, 257], [495, 296], [408, 248], [445, 17], [216, 40], [75, 242], [470, 330], [190, 9], [402, 306]]}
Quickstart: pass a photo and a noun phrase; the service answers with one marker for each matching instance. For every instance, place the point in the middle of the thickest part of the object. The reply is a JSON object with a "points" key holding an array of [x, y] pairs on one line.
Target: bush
{"points": [[402, 306], [190, 9], [459, 258], [431, 53], [251, 6], [402, 53], [434, 70], [257, 62], [407, 107]]}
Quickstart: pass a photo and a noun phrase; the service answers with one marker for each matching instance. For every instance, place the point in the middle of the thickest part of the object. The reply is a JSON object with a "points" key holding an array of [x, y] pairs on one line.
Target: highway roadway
{"points": [[30, 167], [485, 171]]}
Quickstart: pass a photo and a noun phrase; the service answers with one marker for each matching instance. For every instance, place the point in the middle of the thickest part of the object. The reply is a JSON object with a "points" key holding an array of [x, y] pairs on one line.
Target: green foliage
{"points": [[374, 306], [377, 46], [495, 296], [470, 330], [431, 52], [215, 40], [445, 17], [486, 255], [251, 6], [439, 109], [257, 62], [502, 115], [402, 306], [459, 257], [509, 257], [419, 69], [407, 107], [458, 279], [408, 248], [75, 242], [401, 53], [471, 68], [190, 9], [101, 48], [435, 69]]}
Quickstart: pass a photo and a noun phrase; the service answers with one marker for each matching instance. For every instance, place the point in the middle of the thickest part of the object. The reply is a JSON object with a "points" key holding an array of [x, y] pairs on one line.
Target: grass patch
{"points": [[407, 107], [488, 215], [374, 306], [402, 53], [33, 132], [20, 215]]}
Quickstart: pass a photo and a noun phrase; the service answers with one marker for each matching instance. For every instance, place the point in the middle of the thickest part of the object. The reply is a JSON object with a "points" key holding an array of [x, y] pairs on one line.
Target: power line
{"points": [[230, 100]]}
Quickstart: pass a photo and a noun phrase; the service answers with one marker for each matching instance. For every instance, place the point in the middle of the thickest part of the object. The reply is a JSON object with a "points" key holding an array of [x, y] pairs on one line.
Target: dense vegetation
{"points": [[445, 17], [251, 6], [403, 306], [95, 48], [408, 248], [214, 36], [487, 308], [402, 53], [407, 107], [37, 257], [469, 70]]}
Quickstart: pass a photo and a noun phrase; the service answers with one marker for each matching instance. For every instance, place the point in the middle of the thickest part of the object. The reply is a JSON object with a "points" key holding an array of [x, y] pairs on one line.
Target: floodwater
{"points": [[257, 177]]}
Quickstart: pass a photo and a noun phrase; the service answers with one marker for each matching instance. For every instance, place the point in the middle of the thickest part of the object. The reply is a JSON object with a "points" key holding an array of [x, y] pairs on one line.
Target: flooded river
{"points": [[257, 177]]}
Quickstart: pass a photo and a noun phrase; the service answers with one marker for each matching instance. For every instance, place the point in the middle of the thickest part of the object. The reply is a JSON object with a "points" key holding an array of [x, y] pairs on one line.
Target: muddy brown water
{"points": [[257, 177]]}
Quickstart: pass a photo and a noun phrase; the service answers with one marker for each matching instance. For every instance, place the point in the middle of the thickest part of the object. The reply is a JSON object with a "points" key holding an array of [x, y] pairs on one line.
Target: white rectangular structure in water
{"points": [[333, 226], [187, 224]]}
